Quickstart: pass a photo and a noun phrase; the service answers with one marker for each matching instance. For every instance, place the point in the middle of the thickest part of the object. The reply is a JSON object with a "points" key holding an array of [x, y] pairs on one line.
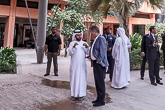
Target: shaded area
{"points": [[68, 104]]}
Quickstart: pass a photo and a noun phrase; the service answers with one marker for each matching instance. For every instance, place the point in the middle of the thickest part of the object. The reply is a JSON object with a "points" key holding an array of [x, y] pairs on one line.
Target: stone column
{"points": [[10, 25], [41, 29], [152, 18], [130, 26]]}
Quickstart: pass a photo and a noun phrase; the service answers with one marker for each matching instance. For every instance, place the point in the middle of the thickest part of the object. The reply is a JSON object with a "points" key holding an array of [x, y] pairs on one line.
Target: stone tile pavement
{"points": [[30, 90]]}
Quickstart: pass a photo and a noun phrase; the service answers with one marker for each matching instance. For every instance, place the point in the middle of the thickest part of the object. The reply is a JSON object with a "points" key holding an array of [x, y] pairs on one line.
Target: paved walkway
{"points": [[30, 90]]}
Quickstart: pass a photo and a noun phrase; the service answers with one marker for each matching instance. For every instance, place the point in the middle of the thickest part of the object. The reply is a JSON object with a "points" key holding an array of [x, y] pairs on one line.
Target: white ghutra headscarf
{"points": [[77, 32], [121, 33]]}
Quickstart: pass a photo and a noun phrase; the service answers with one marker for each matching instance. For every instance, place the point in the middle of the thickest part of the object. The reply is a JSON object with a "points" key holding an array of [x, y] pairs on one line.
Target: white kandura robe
{"points": [[121, 73], [78, 69]]}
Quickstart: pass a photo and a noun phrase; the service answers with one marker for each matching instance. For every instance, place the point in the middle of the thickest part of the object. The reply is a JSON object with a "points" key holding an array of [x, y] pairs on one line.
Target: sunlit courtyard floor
{"points": [[30, 90]]}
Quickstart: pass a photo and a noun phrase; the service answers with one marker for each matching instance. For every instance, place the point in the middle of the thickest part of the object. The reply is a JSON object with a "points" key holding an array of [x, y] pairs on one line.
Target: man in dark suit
{"points": [[110, 38], [153, 56], [143, 52], [99, 62], [163, 48]]}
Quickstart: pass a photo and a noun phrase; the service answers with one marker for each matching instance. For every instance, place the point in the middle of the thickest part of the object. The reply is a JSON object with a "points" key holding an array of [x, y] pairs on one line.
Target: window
{"points": [[115, 26], [138, 15], [50, 6], [2, 32], [159, 18], [5, 2], [139, 29], [21, 3]]}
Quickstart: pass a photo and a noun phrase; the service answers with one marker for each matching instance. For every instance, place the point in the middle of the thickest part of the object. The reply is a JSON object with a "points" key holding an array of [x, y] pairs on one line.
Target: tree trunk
{"points": [[66, 44], [125, 26], [54, 16], [41, 29], [88, 37]]}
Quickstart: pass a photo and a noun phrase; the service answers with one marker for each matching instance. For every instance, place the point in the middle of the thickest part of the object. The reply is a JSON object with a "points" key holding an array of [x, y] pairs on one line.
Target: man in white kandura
{"points": [[78, 67], [120, 53]]}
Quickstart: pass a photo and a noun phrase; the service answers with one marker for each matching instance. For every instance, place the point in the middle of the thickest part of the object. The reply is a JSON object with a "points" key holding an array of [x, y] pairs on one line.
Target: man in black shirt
{"points": [[52, 50]]}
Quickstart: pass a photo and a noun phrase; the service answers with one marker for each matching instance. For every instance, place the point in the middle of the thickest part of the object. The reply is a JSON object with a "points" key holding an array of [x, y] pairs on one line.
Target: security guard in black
{"points": [[53, 43]]}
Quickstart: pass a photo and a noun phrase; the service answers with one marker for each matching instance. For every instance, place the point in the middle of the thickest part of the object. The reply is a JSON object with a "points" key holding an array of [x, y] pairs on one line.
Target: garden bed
{"points": [[8, 61]]}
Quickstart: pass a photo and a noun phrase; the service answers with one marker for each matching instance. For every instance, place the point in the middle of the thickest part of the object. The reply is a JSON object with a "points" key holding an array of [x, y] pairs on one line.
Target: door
{"points": [[2, 32]]}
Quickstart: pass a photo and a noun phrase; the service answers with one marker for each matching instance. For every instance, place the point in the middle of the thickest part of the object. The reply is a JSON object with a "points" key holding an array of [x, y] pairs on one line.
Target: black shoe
{"points": [[98, 104], [56, 74], [94, 101], [159, 83], [154, 84], [160, 78], [142, 78], [46, 74]]}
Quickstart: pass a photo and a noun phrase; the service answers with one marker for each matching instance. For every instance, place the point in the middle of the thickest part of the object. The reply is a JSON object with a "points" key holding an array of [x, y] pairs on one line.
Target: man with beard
{"points": [[52, 50], [78, 67]]}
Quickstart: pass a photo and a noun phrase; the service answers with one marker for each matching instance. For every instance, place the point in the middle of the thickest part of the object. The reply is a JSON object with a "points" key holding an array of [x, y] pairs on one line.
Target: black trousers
{"points": [[99, 74], [154, 70], [111, 66], [143, 66]]}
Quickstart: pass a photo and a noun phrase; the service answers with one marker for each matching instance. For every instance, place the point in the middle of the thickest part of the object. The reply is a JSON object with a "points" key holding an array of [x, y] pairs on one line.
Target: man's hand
{"points": [[155, 43], [75, 45], [46, 53], [88, 57], [143, 54], [58, 54], [109, 49], [86, 46]]}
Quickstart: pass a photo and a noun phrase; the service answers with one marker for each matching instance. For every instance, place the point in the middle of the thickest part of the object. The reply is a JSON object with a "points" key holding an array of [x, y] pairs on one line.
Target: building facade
{"points": [[15, 28]]}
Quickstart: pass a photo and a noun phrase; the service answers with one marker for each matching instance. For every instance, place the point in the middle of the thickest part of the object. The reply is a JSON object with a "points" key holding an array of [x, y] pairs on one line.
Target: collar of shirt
{"points": [[153, 35]]}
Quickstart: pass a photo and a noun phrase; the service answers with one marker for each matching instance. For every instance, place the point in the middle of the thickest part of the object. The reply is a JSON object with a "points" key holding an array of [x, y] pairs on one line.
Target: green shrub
{"points": [[135, 59], [135, 54], [136, 40], [7, 60]]}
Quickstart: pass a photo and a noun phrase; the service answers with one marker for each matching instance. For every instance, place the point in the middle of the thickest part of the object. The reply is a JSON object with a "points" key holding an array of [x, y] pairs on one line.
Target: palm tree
{"points": [[121, 9]]}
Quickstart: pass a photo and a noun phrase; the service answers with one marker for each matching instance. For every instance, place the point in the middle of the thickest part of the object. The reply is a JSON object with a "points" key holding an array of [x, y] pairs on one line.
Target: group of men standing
{"points": [[102, 55], [150, 51]]}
